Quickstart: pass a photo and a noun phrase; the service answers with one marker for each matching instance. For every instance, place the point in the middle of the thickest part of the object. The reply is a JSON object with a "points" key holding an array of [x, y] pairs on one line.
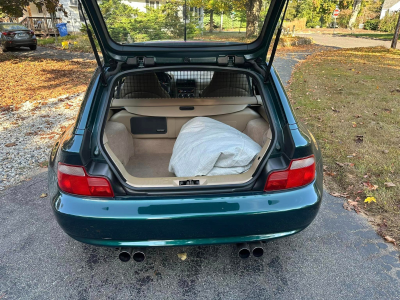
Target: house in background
{"points": [[37, 18], [390, 6], [142, 5]]}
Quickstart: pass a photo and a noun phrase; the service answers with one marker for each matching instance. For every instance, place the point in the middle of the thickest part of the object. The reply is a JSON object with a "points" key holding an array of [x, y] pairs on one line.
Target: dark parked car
{"points": [[184, 143], [14, 35]]}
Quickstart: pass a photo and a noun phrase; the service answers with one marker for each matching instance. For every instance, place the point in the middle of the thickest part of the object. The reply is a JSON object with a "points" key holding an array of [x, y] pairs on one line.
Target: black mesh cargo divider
{"points": [[184, 84]]}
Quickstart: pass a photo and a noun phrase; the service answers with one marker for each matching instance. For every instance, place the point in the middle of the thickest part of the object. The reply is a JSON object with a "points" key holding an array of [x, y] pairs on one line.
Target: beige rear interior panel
{"points": [[170, 181], [149, 160], [238, 120]]}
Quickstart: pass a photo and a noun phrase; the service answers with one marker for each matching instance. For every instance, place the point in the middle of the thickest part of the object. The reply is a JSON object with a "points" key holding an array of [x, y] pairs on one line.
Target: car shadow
{"points": [[20, 49]]}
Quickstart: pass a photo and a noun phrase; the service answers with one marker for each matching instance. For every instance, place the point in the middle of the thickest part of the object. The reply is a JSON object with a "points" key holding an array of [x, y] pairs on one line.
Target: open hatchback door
{"points": [[170, 32]]}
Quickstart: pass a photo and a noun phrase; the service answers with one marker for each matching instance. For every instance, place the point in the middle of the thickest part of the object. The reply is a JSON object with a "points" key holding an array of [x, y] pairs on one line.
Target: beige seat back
{"points": [[226, 84], [143, 86]]}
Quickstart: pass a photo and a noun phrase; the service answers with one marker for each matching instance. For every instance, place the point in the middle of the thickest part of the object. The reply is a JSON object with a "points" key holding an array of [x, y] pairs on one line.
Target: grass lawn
{"points": [[35, 79], [78, 43], [350, 100], [380, 36]]}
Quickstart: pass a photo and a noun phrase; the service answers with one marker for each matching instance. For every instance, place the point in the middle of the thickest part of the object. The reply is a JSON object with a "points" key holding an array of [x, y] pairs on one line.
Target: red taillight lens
{"points": [[32, 32], [300, 172], [9, 33], [75, 180]]}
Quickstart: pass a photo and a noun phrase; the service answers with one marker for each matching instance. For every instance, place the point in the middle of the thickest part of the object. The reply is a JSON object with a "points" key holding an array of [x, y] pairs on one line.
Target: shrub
{"points": [[344, 18], [299, 24], [388, 23], [372, 24]]}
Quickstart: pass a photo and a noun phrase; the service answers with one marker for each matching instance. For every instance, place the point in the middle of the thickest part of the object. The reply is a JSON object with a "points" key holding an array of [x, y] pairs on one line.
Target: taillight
{"points": [[31, 32], [75, 180], [300, 172], [9, 33]]}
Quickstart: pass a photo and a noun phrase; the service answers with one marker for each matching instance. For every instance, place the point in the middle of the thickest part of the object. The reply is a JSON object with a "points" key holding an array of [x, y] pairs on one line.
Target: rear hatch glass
{"points": [[233, 21], [12, 27]]}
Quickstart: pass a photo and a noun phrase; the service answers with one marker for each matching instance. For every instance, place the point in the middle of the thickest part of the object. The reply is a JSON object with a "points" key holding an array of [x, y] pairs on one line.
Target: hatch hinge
{"points": [[260, 66]]}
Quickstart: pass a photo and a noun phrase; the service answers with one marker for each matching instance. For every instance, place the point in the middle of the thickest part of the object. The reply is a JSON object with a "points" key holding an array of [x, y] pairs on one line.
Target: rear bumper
{"points": [[21, 43], [187, 221]]}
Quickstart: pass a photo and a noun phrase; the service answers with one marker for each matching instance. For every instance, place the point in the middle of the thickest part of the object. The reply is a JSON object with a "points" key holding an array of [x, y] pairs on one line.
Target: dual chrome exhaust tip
{"points": [[245, 249], [125, 255]]}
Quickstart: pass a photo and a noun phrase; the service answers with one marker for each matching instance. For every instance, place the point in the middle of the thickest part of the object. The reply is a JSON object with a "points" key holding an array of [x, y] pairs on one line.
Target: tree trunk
{"points": [[396, 34], [221, 20], [46, 28], [354, 13], [211, 21], [253, 14], [32, 27]]}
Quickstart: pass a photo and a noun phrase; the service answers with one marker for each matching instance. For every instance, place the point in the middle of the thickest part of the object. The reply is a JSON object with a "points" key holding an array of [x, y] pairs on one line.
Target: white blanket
{"points": [[208, 147]]}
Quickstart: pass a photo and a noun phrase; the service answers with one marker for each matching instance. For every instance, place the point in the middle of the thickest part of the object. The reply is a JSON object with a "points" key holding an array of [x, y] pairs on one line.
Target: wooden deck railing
{"points": [[37, 24]]}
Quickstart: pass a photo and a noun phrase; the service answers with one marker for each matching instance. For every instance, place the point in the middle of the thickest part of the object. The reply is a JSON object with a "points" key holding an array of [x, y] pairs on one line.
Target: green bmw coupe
{"points": [[182, 140]]}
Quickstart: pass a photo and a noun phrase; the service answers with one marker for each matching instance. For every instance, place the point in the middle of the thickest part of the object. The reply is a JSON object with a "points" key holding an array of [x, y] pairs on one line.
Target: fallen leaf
{"points": [[10, 144], [182, 256], [390, 239], [370, 199], [346, 206], [385, 151], [340, 164], [370, 186], [389, 184], [43, 195], [329, 173]]}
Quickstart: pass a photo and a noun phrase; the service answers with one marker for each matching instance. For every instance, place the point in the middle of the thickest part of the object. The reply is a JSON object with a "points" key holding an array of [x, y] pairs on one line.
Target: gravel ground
{"points": [[47, 52], [26, 135]]}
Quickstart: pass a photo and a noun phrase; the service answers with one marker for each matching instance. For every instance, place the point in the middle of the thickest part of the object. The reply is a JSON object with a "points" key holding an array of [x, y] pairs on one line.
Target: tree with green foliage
{"points": [[252, 9], [126, 24], [16, 8], [213, 7]]}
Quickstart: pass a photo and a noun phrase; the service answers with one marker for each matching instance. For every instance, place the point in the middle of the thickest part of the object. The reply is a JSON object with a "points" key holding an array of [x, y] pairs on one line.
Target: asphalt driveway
{"points": [[338, 257], [346, 41]]}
